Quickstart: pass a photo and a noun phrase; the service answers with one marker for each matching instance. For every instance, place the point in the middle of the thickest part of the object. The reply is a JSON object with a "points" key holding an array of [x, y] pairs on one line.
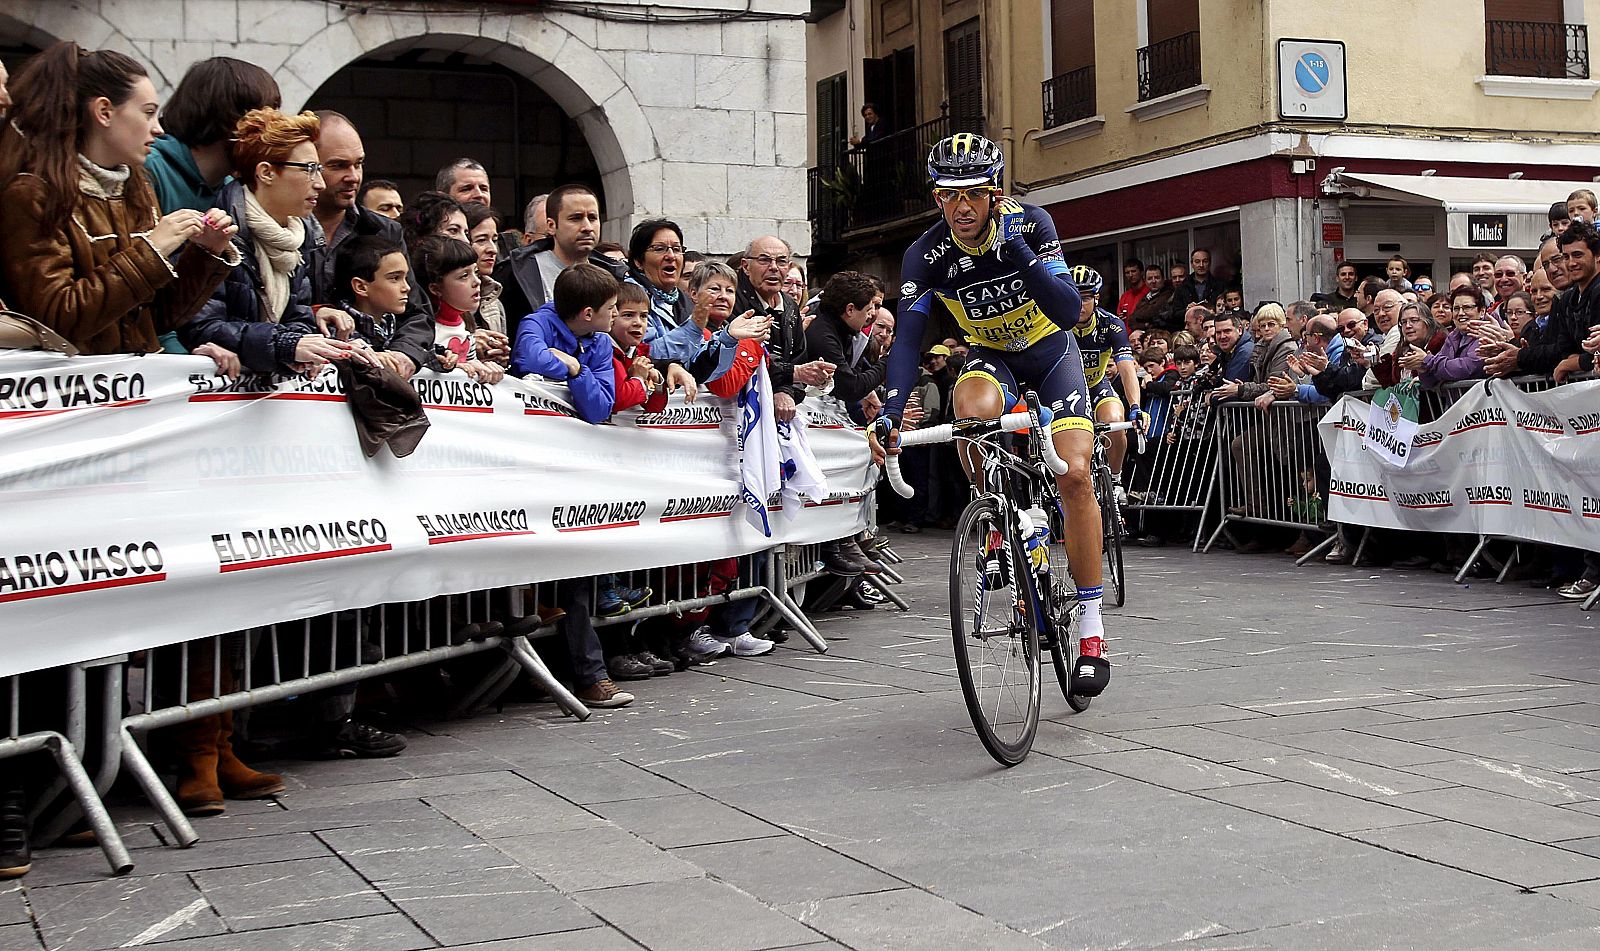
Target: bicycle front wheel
{"points": [[994, 630], [1111, 522]]}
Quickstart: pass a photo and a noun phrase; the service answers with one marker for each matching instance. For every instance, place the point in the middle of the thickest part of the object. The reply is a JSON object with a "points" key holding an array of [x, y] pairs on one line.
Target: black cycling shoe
{"points": [[1090, 676]]}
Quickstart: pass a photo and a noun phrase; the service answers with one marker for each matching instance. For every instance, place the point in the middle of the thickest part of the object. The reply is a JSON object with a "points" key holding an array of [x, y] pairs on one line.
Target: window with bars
{"points": [[963, 76], [1532, 38], [1069, 94], [1172, 60]]}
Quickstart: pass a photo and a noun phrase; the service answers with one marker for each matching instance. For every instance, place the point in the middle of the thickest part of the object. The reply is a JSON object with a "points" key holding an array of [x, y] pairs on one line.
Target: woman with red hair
{"points": [[262, 312]]}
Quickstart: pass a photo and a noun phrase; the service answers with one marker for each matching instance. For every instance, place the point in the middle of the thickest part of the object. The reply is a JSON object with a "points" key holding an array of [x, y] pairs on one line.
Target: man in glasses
{"points": [[995, 265], [766, 263], [1510, 277]]}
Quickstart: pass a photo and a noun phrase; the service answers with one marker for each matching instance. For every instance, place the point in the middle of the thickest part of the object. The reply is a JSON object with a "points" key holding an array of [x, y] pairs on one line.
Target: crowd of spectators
{"points": [[218, 225], [1537, 321]]}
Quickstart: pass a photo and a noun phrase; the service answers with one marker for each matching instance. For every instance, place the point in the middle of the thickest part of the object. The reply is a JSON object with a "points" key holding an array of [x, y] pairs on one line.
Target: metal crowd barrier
{"points": [[29, 715], [1271, 466], [229, 672], [1180, 475]]}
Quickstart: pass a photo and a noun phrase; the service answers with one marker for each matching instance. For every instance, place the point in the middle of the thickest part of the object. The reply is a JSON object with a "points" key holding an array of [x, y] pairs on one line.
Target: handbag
{"points": [[20, 332]]}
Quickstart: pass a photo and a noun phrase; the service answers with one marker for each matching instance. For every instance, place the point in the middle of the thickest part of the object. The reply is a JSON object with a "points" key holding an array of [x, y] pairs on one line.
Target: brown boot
{"points": [[237, 780], [198, 792]]}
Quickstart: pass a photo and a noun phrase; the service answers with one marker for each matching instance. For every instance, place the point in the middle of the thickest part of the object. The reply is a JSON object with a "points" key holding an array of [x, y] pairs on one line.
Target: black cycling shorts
{"points": [[1052, 368]]}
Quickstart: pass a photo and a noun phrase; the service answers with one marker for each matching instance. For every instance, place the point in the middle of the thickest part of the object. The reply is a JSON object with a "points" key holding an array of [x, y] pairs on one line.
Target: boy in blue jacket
{"points": [[568, 340]]}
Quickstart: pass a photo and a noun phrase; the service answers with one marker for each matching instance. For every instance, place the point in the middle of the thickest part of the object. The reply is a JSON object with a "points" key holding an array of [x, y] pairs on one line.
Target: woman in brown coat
{"points": [[83, 246]]}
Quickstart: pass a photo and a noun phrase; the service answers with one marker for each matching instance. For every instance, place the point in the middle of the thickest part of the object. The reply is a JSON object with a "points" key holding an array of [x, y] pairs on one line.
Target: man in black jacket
{"points": [[527, 274], [1200, 287], [1559, 351], [849, 302], [766, 262], [338, 218]]}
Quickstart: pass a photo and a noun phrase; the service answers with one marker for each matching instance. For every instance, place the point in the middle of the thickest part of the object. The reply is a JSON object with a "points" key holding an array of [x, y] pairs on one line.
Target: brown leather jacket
{"points": [[94, 278]]}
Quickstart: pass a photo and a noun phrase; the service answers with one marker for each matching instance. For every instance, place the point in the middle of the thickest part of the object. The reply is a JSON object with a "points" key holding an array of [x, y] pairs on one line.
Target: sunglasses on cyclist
{"points": [[950, 196]]}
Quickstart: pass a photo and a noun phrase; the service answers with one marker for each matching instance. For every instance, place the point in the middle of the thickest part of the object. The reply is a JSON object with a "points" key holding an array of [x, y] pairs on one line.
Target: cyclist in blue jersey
{"points": [[995, 264], [1103, 340]]}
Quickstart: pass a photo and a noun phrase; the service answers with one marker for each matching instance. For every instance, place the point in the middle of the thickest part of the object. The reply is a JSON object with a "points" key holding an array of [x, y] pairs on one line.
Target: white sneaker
{"points": [[701, 644], [1119, 493], [747, 645]]}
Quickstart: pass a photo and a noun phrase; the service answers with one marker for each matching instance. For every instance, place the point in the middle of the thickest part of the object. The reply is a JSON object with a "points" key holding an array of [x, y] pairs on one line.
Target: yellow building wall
{"points": [[1412, 69], [1232, 62]]}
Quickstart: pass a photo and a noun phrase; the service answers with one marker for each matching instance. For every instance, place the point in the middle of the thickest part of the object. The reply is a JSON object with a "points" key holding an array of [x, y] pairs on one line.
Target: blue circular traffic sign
{"points": [[1311, 74]]}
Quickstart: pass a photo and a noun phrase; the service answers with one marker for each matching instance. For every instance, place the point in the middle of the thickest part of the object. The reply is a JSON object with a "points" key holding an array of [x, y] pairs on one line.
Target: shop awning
{"points": [[1480, 213], [1473, 196]]}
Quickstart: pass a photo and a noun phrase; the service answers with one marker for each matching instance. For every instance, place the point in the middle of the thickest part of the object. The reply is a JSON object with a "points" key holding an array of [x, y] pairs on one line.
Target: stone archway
{"points": [[573, 74]]}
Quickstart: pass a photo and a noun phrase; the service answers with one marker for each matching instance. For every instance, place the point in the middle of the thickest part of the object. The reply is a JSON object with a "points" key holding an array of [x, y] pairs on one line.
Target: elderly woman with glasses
{"points": [[1457, 358], [655, 262], [262, 310], [1420, 337]]}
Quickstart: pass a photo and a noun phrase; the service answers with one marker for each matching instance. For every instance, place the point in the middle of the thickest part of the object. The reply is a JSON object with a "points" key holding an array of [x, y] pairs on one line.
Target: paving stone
{"points": [[118, 911], [1421, 731], [906, 920], [13, 906], [671, 822], [1213, 746], [518, 811], [604, 857], [307, 818], [408, 789], [1342, 775], [696, 915], [1351, 719], [19, 937], [1486, 810], [487, 905], [589, 939], [1170, 770], [289, 893], [1520, 782], [1317, 808], [790, 869], [395, 850], [1463, 706], [587, 783], [1365, 748], [1490, 854], [1114, 721], [374, 933], [1523, 751], [88, 865]]}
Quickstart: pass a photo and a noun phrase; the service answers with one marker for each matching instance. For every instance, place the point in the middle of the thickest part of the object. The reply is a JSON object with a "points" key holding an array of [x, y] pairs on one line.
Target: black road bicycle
{"points": [[1011, 596]]}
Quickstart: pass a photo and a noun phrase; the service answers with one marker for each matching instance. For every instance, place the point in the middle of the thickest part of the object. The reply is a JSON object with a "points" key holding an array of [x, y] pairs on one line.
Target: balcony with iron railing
{"points": [[1542, 50], [879, 182], [1169, 66], [1069, 97]]}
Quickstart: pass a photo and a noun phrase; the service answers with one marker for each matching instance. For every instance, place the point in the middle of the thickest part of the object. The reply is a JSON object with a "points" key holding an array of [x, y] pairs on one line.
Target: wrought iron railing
{"points": [[1545, 50], [1169, 66], [879, 182], [1069, 97]]}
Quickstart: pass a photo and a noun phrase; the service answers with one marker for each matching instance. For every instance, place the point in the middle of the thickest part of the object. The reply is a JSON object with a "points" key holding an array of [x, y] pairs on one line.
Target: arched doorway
{"points": [[587, 91], [420, 108]]}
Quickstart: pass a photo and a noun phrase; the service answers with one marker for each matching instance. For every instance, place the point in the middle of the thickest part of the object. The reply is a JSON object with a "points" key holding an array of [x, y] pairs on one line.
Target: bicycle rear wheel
{"points": [[994, 631], [1111, 523]]}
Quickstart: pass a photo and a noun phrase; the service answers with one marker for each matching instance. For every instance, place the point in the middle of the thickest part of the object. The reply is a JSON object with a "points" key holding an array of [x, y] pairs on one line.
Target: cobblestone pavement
{"points": [[1288, 759]]}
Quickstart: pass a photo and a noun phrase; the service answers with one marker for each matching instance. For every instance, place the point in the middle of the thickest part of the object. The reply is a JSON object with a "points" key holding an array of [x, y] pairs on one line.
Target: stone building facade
{"points": [[702, 121]]}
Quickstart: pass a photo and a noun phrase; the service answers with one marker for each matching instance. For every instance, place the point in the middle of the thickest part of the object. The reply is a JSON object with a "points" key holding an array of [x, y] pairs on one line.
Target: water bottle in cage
{"points": [[1035, 528]]}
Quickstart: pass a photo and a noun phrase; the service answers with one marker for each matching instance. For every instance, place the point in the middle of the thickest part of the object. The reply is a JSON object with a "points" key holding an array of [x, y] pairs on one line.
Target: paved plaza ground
{"points": [[1289, 758]]}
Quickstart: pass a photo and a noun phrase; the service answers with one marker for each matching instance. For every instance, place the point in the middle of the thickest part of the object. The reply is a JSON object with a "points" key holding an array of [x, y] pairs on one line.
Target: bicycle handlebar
{"points": [[1009, 423]]}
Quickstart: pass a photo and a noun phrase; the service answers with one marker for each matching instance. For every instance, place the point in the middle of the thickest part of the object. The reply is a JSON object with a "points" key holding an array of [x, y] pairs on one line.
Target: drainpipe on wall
{"points": [[1007, 132]]}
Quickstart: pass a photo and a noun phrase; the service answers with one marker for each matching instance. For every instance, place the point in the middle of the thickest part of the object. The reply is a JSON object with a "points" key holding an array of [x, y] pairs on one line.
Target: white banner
{"points": [[1498, 462], [147, 501]]}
